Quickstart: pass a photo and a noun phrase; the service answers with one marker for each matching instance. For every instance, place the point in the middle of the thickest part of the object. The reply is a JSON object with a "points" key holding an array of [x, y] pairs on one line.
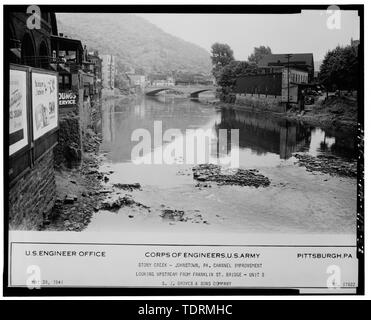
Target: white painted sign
{"points": [[93, 261], [44, 103], [18, 133]]}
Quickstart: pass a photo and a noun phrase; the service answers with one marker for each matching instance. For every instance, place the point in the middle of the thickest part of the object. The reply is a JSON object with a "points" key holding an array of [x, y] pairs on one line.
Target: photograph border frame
{"points": [[184, 9]]}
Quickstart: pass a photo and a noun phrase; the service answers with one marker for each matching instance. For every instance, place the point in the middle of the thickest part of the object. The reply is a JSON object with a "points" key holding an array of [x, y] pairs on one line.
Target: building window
{"points": [[64, 82], [67, 80]]}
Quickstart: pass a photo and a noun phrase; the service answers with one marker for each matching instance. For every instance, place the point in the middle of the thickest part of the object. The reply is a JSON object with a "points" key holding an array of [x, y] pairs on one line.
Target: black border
{"points": [[211, 9]]}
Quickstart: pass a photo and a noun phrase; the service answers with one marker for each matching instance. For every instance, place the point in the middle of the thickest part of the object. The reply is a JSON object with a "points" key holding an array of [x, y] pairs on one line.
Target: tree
{"points": [[259, 53], [230, 73], [339, 69], [121, 82], [221, 55]]}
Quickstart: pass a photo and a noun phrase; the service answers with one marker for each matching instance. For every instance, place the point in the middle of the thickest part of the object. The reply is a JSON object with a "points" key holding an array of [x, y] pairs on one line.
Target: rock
{"points": [[116, 204], [327, 164], [92, 171], [241, 177], [70, 199], [173, 215], [105, 191], [128, 186], [72, 153]]}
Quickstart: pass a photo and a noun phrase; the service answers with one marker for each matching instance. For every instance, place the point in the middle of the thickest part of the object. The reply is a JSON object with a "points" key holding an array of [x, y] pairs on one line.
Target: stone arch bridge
{"points": [[191, 91]]}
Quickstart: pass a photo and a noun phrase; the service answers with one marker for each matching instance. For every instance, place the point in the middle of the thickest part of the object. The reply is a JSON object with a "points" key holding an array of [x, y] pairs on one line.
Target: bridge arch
{"points": [[156, 91], [196, 93]]}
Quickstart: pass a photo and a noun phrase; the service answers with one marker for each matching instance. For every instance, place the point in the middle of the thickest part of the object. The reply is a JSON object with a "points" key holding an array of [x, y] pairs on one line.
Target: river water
{"points": [[296, 200]]}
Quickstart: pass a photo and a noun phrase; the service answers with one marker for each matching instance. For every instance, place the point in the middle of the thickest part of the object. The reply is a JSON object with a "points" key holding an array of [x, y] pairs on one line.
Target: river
{"points": [[296, 201]]}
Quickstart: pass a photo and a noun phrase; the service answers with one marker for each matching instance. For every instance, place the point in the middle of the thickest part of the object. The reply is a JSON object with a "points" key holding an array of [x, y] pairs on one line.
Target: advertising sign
{"points": [[18, 133], [67, 99], [44, 103]]}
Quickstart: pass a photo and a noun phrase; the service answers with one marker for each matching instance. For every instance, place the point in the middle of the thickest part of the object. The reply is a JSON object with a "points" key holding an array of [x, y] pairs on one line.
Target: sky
{"points": [[283, 33]]}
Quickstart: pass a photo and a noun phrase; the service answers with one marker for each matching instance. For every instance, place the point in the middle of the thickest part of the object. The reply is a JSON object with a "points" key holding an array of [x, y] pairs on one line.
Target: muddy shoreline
{"points": [[79, 192]]}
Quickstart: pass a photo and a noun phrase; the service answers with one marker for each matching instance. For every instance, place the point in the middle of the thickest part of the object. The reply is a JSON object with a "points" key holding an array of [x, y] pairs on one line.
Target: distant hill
{"points": [[135, 41]]}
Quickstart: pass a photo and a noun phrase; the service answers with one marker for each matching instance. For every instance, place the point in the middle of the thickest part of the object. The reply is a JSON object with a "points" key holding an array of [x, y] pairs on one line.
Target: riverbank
{"points": [[79, 190], [79, 186], [333, 113]]}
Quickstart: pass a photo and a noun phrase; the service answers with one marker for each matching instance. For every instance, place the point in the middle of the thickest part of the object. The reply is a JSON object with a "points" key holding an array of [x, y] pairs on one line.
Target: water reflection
{"points": [[264, 135], [263, 140]]}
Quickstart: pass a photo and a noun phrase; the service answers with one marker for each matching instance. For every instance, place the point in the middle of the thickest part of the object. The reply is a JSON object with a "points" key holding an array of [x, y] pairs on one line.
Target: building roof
{"points": [[157, 76], [67, 43], [281, 59], [136, 77]]}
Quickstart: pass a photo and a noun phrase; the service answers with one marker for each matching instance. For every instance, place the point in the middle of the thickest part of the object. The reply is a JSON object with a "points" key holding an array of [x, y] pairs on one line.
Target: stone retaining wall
{"points": [[262, 101], [32, 196], [73, 126]]}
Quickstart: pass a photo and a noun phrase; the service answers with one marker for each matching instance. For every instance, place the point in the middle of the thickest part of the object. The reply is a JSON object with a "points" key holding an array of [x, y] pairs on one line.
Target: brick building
{"points": [[32, 186], [31, 47], [273, 63], [52, 90]]}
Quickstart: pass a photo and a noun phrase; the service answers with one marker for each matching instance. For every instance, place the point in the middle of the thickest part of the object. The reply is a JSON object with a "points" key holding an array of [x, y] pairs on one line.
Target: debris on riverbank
{"points": [[336, 112], [121, 201], [128, 186], [173, 215], [79, 196], [327, 164], [240, 177], [78, 188]]}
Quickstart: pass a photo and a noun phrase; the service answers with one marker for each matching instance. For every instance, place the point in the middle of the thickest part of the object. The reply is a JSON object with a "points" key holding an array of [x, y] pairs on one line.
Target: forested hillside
{"points": [[135, 41]]}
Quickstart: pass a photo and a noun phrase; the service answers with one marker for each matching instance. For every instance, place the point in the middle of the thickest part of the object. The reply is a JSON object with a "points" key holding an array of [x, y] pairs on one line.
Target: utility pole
{"points": [[288, 56]]}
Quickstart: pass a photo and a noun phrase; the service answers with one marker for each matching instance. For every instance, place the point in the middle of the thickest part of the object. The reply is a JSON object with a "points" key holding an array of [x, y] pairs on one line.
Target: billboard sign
{"points": [[18, 133], [44, 103]]}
